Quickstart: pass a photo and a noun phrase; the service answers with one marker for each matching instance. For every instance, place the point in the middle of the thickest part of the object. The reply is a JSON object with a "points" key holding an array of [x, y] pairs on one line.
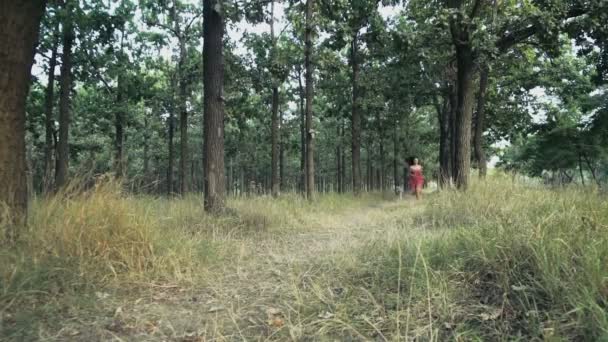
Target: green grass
{"points": [[503, 261]]}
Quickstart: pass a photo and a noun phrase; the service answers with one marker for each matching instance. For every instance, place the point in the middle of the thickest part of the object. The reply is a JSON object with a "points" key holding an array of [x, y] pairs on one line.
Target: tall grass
{"points": [[502, 261]]}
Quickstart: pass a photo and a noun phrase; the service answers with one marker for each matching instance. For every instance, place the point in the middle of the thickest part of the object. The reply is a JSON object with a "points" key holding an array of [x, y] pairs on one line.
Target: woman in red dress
{"points": [[416, 178]]}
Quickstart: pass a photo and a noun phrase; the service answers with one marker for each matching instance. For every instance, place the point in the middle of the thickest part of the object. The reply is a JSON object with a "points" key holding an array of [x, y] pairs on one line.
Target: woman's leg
{"points": [[418, 192]]}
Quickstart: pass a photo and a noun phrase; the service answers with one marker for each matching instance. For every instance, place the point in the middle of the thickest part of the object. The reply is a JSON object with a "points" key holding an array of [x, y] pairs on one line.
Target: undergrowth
{"points": [[501, 261]]}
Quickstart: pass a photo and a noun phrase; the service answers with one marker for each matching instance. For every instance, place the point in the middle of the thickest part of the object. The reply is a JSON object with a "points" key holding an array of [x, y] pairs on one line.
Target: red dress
{"points": [[416, 179]]}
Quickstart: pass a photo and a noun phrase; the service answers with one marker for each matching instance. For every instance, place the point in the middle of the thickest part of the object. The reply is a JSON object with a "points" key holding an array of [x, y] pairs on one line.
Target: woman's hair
{"points": [[411, 160]]}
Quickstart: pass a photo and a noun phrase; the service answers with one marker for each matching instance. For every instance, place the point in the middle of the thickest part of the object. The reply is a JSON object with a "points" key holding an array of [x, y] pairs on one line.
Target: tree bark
{"points": [[580, 168], [171, 123], [356, 118], [119, 119], [381, 182], [49, 122], [19, 24], [480, 156], [445, 173], [184, 161], [339, 165], [213, 78], [302, 133], [275, 179], [464, 113], [282, 182], [63, 149], [274, 129], [452, 129], [343, 170], [120, 134], [146, 156], [310, 167], [395, 156]]}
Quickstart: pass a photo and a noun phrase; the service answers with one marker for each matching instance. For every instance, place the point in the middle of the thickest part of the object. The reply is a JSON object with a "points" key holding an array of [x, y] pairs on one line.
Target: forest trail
{"points": [[257, 295]]}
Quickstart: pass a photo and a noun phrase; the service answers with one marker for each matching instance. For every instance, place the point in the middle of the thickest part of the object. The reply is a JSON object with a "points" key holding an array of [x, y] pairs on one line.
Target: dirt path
{"points": [[256, 295]]}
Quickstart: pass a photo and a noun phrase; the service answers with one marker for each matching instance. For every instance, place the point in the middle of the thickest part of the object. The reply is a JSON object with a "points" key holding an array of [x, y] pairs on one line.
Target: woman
{"points": [[416, 178]]}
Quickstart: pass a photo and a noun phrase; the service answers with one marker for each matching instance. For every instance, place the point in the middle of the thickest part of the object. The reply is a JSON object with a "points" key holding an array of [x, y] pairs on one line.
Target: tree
{"points": [[19, 25], [310, 166], [63, 148], [213, 129]]}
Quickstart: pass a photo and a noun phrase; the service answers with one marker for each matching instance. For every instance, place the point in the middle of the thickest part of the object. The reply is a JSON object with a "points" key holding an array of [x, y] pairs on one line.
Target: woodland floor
{"points": [[260, 293]]}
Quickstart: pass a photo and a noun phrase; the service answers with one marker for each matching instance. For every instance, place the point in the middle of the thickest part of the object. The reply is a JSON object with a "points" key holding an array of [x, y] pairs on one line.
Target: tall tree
{"points": [[49, 120], [275, 135], [213, 129], [63, 149], [19, 24], [310, 166]]}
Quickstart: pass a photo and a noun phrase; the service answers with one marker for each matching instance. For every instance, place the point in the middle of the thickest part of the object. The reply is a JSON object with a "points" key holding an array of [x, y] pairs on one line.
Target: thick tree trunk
{"points": [[49, 120], [310, 167], [63, 149], [19, 23], [356, 118], [445, 173], [464, 113], [480, 156], [213, 79]]}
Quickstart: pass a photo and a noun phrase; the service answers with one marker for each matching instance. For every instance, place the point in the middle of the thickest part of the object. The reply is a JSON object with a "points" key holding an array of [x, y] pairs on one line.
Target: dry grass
{"points": [[503, 261]]}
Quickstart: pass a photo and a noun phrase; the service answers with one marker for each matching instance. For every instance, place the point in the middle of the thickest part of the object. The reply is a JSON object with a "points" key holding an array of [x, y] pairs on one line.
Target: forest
{"points": [[227, 170]]}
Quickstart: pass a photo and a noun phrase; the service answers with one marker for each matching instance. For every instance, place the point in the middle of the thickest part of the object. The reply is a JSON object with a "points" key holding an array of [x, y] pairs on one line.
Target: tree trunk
{"points": [[445, 173], [580, 168], [480, 155], [274, 129], [395, 156], [464, 113], [282, 182], [343, 163], [119, 120], [275, 179], [339, 165], [184, 161], [310, 167], [146, 151], [19, 23], [120, 135], [452, 129], [356, 118], [381, 182], [302, 133], [171, 123], [63, 149], [49, 122], [213, 79]]}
